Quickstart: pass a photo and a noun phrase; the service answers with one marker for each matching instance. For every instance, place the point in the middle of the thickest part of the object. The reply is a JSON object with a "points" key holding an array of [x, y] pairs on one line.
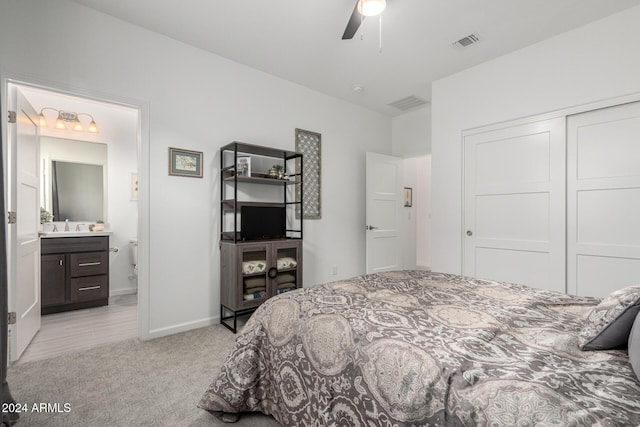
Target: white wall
{"points": [[412, 141], [198, 101], [423, 211], [411, 133], [594, 62], [408, 217]]}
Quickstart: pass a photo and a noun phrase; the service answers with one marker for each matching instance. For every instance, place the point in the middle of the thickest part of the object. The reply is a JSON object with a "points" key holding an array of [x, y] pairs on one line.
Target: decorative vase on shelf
{"points": [[276, 171]]}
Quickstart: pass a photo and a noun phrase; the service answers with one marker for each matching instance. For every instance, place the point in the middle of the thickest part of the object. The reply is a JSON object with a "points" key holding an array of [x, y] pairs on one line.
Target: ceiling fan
{"points": [[362, 9]]}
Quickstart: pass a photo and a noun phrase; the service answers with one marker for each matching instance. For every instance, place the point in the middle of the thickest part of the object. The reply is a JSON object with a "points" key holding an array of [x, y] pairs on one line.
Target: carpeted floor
{"points": [[132, 383]]}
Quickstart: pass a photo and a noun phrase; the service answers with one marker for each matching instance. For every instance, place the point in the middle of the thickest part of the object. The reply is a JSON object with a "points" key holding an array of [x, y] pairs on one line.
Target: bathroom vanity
{"points": [[74, 271]]}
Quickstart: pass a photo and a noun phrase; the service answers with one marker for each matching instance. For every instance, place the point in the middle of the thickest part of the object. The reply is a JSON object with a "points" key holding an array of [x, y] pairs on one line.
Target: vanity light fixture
{"points": [[68, 118]]}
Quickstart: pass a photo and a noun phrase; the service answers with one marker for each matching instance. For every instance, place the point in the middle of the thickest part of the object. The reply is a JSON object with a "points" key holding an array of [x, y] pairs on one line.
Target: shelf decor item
{"points": [[185, 163], [276, 171], [243, 168], [308, 144]]}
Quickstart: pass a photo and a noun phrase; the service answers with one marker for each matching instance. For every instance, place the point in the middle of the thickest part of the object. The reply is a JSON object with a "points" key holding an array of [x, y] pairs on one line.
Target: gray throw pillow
{"points": [[634, 347], [609, 323]]}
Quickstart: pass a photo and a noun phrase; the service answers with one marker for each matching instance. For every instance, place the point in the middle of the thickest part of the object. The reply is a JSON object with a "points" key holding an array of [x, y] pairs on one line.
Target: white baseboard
{"points": [[123, 291], [182, 327]]}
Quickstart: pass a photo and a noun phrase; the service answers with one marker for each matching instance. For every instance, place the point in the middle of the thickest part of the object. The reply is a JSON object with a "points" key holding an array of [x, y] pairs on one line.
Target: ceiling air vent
{"points": [[467, 41], [407, 103]]}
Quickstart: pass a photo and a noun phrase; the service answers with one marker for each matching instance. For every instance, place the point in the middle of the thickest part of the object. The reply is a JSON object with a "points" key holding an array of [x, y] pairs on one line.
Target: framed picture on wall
{"points": [[408, 197], [185, 162]]}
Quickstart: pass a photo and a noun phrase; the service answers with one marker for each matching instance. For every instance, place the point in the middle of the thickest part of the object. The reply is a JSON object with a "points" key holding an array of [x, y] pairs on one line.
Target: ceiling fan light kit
{"points": [[362, 9], [371, 7]]}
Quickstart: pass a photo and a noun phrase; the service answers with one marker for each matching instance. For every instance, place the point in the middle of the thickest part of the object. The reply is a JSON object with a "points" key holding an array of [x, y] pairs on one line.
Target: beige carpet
{"points": [[132, 383]]}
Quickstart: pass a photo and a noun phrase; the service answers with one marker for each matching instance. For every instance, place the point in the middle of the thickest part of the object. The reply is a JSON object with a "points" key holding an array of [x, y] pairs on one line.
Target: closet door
{"points": [[514, 204], [603, 200]]}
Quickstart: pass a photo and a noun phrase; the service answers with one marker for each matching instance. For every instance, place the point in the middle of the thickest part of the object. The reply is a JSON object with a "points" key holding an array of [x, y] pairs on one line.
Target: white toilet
{"points": [[133, 255]]}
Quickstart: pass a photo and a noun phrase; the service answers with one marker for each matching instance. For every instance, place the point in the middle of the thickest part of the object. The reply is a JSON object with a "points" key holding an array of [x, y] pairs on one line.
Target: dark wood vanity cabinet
{"points": [[52, 280], [74, 273]]}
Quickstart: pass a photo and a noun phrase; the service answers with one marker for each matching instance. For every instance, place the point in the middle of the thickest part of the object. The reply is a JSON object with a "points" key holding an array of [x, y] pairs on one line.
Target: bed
{"points": [[420, 348]]}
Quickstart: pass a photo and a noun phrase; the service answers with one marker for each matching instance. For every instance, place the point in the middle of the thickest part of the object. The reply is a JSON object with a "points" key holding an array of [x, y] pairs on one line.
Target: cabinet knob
{"points": [[469, 233]]}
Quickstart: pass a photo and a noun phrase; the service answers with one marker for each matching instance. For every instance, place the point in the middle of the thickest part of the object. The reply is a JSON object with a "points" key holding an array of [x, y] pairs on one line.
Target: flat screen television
{"points": [[262, 222]]}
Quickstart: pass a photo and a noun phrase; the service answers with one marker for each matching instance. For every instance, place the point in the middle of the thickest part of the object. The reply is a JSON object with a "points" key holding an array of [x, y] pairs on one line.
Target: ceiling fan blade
{"points": [[353, 24]]}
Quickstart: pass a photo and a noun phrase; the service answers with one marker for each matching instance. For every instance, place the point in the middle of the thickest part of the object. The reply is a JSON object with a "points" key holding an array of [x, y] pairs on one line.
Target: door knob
{"points": [[469, 233], [370, 227]]}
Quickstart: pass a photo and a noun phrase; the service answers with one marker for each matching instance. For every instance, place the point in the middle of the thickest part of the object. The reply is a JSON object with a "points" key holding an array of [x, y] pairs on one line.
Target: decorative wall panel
{"points": [[309, 143]]}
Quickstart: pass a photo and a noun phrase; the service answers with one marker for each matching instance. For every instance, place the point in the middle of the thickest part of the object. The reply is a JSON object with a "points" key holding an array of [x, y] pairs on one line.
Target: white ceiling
{"points": [[300, 40]]}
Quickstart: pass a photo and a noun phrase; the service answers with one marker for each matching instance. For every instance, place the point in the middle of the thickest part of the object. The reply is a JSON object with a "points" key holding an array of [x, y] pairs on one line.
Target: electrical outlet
{"points": [[335, 270]]}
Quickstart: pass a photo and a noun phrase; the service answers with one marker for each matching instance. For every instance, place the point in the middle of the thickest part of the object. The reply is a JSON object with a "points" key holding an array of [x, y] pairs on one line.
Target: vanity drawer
{"points": [[89, 288], [59, 245], [89, 264]]}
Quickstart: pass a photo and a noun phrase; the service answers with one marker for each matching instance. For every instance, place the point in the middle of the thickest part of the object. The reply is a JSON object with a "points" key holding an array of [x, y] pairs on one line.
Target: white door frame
{"points": [[143, 147]]}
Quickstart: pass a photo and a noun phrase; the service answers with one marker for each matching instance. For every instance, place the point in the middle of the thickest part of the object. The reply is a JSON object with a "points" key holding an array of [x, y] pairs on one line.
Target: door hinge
{"points": [[12, 318], [11, 217], [12, 116]]}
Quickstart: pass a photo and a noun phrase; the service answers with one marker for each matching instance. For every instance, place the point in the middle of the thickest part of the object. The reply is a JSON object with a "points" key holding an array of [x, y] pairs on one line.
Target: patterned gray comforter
{"points": [[421, 348]]}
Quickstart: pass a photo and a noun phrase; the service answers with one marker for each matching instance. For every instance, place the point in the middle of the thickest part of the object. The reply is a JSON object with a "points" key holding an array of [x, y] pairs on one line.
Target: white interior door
{"points": [[24, 241], [514, 204], [384, 202], [603, 200]]}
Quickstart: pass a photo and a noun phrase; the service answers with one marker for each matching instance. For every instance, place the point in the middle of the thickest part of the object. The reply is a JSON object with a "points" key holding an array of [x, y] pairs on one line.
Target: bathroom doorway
{"points": [[117, 129]]}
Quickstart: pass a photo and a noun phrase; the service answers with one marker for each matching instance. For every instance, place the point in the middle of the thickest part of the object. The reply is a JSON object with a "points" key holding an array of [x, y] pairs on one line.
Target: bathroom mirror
{"points": [[76, 191], [74, 179]]}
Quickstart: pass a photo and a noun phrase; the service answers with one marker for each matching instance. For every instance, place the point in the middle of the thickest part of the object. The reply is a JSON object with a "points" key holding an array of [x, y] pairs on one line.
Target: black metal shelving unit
{"points": [[232, 246]]}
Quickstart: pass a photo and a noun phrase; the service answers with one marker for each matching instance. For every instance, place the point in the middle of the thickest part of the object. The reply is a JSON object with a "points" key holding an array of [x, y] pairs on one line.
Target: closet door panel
{"points": [[507, 265], [514, 203], [606, 217], [495, 214], [603, 200], [514, 160], [608, 149], [615, 272]]}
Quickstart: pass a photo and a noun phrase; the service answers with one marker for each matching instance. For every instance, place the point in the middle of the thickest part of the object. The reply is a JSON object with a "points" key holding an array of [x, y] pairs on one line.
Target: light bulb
{"points": [[77, 126], [371, 7], [93, 127], [43, 120]]}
